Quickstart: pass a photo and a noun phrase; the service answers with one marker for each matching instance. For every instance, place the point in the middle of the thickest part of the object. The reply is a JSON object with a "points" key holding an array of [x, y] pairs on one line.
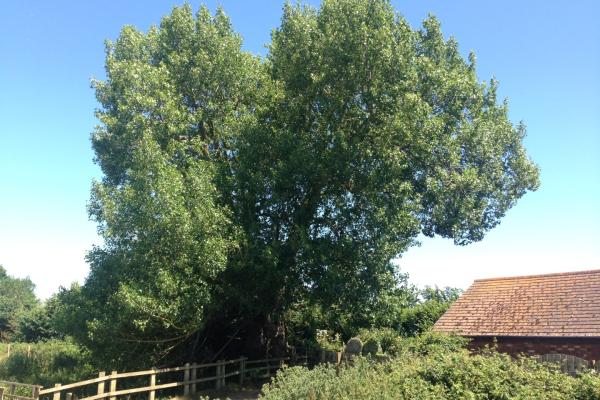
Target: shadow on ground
{"points": [[238, 394]]}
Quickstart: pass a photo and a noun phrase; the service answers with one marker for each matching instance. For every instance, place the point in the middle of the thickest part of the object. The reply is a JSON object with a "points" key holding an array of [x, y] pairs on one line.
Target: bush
{"points": [[388, 339], [329, 341], [35, 325], [420, 317], [47, 363], [371, 347], [433, 367], [433, 342]]}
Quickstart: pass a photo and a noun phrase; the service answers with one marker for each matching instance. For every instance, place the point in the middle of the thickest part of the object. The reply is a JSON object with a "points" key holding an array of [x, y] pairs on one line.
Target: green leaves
{"points": [[237, 189], [17, 298], [186, 79], [431, 367], [165, 240]]}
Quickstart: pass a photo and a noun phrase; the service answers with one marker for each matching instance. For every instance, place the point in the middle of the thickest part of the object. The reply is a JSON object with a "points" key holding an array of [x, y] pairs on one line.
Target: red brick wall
{"points": [[586, 348]]}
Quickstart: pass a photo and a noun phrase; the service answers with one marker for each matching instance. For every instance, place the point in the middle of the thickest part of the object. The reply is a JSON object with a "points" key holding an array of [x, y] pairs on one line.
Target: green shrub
{"points": [[46, 363], [328, 340], [421, 317], [433, 367], [433, 342], [389, 340], [371, 348]]}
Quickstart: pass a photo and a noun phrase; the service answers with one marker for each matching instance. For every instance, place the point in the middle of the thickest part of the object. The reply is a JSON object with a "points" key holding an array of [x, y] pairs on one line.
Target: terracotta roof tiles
{"points": [[552, 305]]}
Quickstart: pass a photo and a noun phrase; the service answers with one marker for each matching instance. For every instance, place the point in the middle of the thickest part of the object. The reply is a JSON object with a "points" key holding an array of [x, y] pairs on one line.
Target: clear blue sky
{"points": [[546, 55]]}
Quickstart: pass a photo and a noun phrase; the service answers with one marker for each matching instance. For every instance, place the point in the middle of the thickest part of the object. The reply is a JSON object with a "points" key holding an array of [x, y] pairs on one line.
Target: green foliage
{"points": [[40, 322], [165, 243], [45, 363], [305, 317], [390, 342], [371, 347], [36, 325], [443, 372], [420, 317], [445, 295], [328, 340], [173, 99], [387, 339], [16, 299], [432, 304], [433, 342], [244, 189]]}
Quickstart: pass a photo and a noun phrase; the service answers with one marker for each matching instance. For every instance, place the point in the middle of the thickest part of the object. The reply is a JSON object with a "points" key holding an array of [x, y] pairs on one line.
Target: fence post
{"points": [[101, 374], [220, 373], [193, 378], [8, 351], [152, 392], [11, 388], [242, 370], [113, 385], [1, 393], [56, 395], [186, 379], [69, 396], [35, 393]]}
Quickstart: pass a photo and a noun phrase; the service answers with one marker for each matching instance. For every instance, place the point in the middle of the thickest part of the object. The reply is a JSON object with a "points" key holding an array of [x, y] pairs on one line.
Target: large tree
{"points": [[237, 188]]}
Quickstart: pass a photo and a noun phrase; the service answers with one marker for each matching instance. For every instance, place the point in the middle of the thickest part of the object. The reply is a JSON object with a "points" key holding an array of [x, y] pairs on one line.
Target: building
{"points": [[534, 315]]}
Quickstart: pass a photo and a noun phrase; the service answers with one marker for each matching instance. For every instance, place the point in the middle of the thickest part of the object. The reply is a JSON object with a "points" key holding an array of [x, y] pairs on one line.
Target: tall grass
{"points": [[44, 363]]}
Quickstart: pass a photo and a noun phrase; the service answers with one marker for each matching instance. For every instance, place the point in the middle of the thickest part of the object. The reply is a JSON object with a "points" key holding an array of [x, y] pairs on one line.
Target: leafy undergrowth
{"points": [[432, 369], [45, 363]]}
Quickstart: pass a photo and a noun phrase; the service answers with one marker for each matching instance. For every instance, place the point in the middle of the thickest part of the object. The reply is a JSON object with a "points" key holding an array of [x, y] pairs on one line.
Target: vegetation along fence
{"points": [[18, 391], [569, 364], [167, 380]]}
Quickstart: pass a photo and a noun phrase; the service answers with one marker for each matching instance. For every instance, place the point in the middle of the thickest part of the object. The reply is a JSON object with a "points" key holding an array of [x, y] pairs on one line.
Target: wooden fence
{"points": [[18, 391], [569, 364], [188, 376]]}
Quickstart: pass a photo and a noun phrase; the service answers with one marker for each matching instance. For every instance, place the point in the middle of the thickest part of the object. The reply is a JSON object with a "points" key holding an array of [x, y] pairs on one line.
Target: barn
{"points": [[534, 315]]}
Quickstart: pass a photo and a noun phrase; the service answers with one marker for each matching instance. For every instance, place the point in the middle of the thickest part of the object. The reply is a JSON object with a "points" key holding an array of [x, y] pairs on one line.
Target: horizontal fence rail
{"points": [[187, 376], [569, 364], [18, 391]]}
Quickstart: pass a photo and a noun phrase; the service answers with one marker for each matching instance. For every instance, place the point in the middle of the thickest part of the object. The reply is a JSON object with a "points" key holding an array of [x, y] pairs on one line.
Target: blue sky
{"points": [[546, 56]]}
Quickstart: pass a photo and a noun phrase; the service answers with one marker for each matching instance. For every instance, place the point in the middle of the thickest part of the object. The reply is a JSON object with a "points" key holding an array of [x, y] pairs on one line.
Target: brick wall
{"points": [[586, 348]]}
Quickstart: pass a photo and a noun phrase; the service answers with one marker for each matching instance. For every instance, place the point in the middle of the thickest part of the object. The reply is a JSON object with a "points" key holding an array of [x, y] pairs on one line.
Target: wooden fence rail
{"points": [[569, 364], [18, 391], [241, 367]]}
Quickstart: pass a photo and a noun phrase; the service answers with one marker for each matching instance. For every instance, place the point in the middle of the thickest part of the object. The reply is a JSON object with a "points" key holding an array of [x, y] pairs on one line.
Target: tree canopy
{"points": [[17, 298], [238, 190]]}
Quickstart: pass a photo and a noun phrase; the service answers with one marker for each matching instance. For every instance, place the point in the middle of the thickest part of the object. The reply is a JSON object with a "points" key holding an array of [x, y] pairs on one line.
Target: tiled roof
{"points": [[559, 305]]}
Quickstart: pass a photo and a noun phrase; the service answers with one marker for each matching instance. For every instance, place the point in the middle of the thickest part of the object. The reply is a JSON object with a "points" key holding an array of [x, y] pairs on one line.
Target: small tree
{"points": [[17, 297]]}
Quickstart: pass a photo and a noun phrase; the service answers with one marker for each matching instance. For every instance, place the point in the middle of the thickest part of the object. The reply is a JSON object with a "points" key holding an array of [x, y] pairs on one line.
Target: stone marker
{"points": [[354, 346]]}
